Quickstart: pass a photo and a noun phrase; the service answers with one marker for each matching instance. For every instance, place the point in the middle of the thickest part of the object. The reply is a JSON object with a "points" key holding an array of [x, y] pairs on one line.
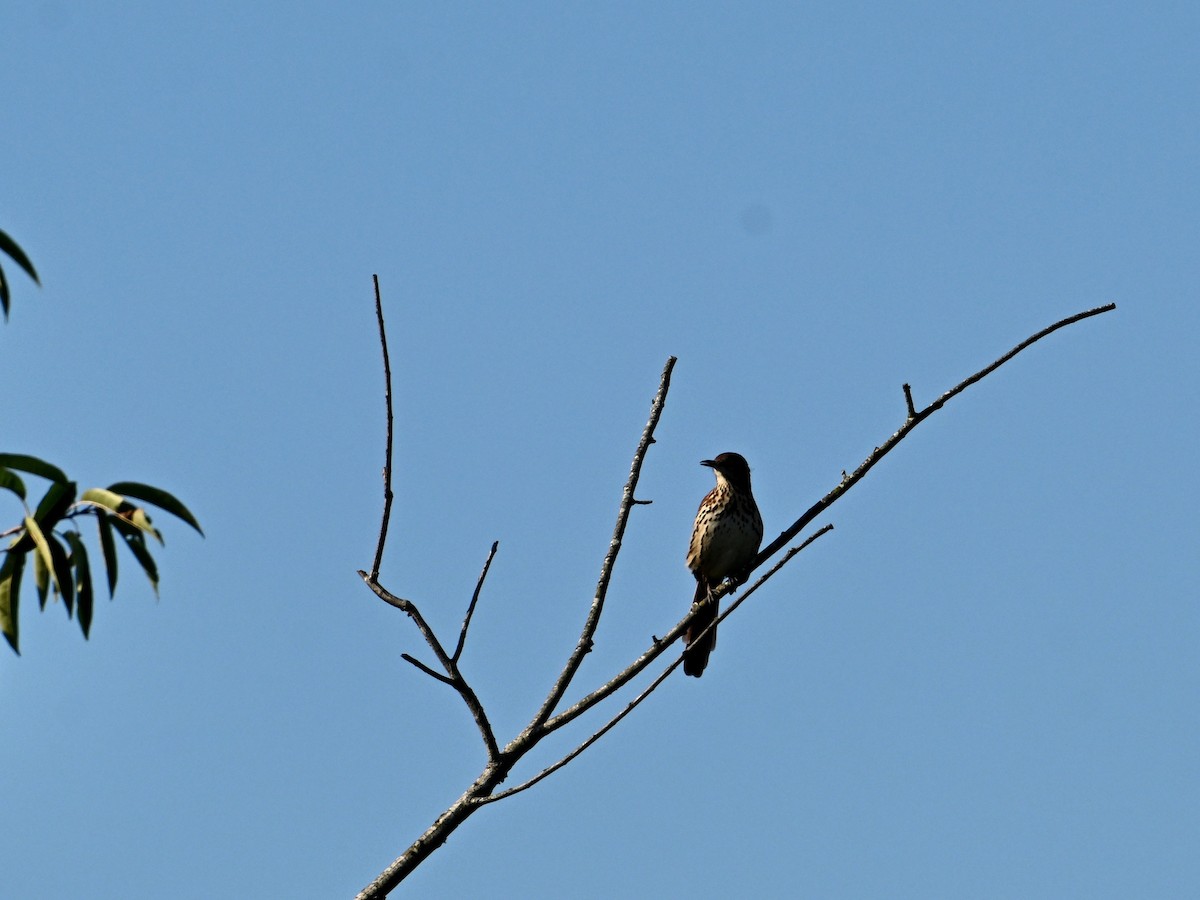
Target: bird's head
{"points": [[730, 467]]}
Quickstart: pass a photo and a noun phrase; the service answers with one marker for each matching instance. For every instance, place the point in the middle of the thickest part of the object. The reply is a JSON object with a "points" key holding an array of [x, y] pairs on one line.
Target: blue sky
{"points": [[983, 683]]}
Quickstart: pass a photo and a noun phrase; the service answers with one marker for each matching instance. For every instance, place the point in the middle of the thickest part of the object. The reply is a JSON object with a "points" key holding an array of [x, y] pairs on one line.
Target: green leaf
{"points": [[41, 580], [43, 561], [155, 497], [136, 542], [110, 550], [4, 295], [83, 581], [54, 560], [102, 497], [50, 510], [114, 502], [63, 579], [11, 481], [138, 517], [9, 246], [33, 466], [58, 499], [10, 596]]}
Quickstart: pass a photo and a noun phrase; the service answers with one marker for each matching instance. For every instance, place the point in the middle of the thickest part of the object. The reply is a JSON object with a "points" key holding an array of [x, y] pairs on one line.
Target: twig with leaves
{"points": [[60, 557], [548, 718]]}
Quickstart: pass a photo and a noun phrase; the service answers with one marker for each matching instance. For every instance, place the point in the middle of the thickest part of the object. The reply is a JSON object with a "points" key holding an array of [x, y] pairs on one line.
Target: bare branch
{"points": [[470, 698], [433, 837], [584, 645], [387, 462], [914, 419], [462, 635], [455, 678]]}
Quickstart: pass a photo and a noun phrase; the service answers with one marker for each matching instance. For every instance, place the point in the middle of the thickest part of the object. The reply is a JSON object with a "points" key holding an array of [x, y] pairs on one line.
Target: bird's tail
{"points": [[697, 647]]}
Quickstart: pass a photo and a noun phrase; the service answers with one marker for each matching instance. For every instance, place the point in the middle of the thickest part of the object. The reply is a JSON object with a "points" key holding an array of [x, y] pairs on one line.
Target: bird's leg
{"points": [[737, 579]]}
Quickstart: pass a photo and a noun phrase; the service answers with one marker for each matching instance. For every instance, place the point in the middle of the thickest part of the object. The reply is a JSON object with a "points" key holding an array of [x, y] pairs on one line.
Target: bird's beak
{"points": [[709, 463]]}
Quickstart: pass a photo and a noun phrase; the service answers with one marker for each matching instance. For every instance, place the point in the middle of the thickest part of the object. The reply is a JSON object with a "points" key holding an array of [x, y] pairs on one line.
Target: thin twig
{"points": [[584, 645], [988, 370], [428, 671], [74, 511], [387, 464], [462, 635]]}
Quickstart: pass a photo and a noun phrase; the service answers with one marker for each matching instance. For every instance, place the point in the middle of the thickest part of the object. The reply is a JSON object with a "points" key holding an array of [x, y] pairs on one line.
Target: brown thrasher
{"points": [[725, 541]]}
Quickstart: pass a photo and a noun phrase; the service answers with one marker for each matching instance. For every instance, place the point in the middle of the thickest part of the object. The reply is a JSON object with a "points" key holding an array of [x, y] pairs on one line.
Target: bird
{"points": [[724, 542]]}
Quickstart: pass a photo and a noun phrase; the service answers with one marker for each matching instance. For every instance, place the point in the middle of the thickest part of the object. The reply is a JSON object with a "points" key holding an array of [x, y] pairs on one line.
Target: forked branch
{"points": [[500, 762], [453, 676]]}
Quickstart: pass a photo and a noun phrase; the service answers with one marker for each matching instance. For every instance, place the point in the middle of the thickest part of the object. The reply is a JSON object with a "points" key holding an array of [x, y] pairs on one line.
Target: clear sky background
{"points": [[983, 683]]}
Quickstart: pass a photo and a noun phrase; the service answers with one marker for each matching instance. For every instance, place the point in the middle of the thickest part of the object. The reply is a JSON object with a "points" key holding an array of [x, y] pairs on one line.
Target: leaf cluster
{"points": [[49, 539]]}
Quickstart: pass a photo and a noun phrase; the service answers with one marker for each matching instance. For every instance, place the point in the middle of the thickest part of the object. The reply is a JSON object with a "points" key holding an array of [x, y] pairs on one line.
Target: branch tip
{"points": [[908, 400], [387, 461], [462, 634], [427, 670]]}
